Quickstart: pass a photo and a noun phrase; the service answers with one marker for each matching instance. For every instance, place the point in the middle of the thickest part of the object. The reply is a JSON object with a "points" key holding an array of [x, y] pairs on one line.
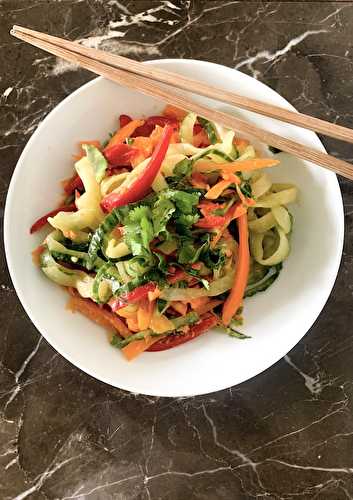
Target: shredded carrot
{"points": [[231, 177], [179, 307], [174, 112], [235, 166], [244, 199], [217, 189], [235, 298], [199, 302], [238, 211], [207, 307], [241, 144], [137, 347], [125, 132], [97, 314]]}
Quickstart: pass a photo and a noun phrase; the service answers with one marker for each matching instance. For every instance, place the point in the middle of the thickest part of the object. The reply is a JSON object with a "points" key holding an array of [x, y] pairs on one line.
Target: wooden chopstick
{"points": [[68, 50], [200, 88]]}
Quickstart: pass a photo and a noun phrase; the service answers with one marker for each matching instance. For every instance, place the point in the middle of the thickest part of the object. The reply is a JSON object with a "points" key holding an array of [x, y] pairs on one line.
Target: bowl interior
{"points": [[276, 319]]}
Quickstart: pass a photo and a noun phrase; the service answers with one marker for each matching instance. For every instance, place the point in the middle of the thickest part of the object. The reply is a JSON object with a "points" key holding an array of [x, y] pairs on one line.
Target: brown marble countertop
{"points": [[287, 433]]}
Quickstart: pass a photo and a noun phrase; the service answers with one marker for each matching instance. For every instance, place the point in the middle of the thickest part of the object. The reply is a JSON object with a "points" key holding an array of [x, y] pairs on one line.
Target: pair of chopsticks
{"points": [[158, 83]]}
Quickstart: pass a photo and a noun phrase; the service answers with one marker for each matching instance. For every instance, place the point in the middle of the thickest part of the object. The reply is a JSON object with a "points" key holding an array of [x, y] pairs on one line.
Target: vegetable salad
{"points": [[165, 229]]}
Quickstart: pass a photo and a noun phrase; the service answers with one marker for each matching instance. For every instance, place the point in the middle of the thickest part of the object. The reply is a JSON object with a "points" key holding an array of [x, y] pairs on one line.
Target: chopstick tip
{"points": [[14, 30]]}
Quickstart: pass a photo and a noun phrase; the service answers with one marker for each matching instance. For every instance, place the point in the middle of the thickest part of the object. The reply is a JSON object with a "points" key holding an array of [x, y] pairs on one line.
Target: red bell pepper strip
{"points": [[72, 184], [147, 128], [43, 220], [207, 322], [139, 293], [120, 155], [143, 182], [124, 120]]}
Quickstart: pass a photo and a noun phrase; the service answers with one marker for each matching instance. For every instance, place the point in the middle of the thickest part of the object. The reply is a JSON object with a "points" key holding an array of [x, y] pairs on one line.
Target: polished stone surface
{"points": [[286, 434]]}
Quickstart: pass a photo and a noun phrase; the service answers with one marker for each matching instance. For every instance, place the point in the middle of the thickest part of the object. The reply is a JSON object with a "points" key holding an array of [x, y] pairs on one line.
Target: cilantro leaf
{"points": [[139, 229], [161, 213], [185, 202]]}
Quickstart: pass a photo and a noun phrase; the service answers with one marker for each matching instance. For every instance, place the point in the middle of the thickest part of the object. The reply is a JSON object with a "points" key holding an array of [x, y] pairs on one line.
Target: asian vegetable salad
{"points": [[165, 229]]}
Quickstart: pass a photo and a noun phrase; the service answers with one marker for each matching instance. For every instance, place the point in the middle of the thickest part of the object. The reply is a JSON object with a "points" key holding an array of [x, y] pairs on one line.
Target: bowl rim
{"points": [[33, 317]]}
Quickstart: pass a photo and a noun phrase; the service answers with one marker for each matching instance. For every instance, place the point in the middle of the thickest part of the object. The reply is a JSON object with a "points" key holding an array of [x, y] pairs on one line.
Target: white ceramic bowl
{"points": [[276, 319]]}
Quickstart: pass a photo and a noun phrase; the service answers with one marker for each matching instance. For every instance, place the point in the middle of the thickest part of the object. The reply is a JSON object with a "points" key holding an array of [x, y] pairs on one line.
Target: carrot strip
{"points": [[137, 347], [207, 307], [125, 132], [199, 302], [174, 112], [95, 313], [241, 144], [179, 307], [235, 166], [237, 212], [235, 297], [217, 189], [244, 199]]}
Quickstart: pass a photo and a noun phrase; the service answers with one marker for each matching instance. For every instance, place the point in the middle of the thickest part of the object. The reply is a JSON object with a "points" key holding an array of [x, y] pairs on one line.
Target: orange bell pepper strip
{"points": [[235, 297], [144, 314], [124, 132], [132, 324]]}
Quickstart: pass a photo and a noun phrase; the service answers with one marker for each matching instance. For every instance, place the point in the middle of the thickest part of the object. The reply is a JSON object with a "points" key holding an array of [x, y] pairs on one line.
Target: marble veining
{"points": [[286, 434]]}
